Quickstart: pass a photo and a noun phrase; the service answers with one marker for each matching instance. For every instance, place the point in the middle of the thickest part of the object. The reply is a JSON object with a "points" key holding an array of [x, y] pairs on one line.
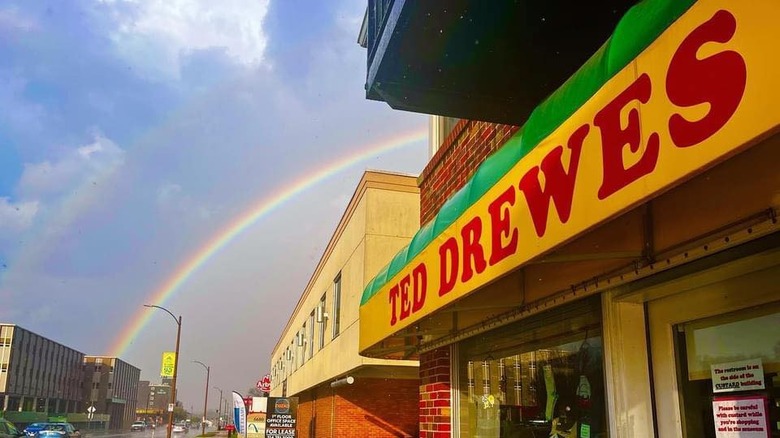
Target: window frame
{"points": [[336, 328], [323, 324], [309, 346]]}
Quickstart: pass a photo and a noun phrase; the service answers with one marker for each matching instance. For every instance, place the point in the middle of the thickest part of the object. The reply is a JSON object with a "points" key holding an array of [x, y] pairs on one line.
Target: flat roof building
{"points": [[111, 386], [319, 345], [38, 374]]}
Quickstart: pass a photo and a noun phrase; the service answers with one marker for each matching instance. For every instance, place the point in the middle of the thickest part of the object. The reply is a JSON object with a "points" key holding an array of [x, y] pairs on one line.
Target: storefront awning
{"points": [[483, 60], [679, 86]]}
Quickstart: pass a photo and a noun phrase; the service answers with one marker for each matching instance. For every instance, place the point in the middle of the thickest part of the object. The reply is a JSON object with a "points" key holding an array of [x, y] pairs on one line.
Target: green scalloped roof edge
{"points": [[637, 29]]}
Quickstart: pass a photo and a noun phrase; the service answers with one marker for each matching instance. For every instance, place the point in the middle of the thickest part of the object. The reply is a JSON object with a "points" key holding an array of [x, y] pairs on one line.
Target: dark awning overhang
{"points": [[492, 61]]}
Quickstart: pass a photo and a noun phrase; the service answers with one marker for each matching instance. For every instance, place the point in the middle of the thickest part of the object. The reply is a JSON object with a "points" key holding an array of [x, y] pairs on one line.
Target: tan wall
{"points": [[381, 218]]}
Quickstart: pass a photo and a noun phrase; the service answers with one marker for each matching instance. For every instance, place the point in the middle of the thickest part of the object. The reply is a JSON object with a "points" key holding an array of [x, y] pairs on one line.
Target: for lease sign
{"points": [[705, 89], [281, 417]]}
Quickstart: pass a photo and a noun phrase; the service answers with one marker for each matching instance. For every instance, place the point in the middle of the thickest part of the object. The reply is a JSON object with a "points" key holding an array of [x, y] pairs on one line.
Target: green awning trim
{"points": [[638, 28]]}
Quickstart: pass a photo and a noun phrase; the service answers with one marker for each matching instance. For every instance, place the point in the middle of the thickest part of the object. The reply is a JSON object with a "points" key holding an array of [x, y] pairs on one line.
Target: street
{"points": [[149, 433]]}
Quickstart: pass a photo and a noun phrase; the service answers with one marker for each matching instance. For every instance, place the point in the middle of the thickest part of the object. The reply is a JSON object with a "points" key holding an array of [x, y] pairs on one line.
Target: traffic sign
{"points": [[91, 409]]}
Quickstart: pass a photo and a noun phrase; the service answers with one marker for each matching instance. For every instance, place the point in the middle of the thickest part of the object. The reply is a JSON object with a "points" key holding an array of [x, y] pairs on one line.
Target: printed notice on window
{"points": [[744, 375], [741, 417]]}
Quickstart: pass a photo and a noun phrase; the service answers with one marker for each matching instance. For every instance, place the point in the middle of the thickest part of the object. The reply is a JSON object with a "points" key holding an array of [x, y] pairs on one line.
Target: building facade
{"points": [[159, 398], [142, 405], [111, 387], [605, 262], [340, 393], [38, 376], [153, 399]]}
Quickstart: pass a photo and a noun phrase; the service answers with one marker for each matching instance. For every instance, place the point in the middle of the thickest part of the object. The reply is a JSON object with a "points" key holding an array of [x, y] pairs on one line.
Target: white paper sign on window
{"points": [[741, 417], [743, 375]]}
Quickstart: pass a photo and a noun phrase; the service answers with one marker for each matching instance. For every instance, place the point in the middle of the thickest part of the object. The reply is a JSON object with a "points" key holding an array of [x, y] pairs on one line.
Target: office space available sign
{"points": [[281, 417], [703, 91], [743, 375], [741, 417]]}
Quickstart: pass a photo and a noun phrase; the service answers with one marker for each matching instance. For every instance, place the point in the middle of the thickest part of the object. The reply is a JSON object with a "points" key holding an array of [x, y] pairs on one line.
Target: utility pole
{"points": [[175, 368], [206, 399]]}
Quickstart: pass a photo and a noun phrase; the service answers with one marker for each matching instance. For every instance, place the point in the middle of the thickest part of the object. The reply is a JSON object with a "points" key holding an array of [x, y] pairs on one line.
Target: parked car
{"points": [[59, 430], [33, 428], [8, 430], [138, 426], [179, 428]]}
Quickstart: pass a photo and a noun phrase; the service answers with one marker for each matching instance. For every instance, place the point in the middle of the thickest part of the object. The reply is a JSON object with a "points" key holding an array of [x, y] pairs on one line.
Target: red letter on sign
{"points": [[499, 225], [420, 286], [614, 139], [558, 186], [393, 304], [406, 304], [718, 80], [447, 282], [472, 249]]}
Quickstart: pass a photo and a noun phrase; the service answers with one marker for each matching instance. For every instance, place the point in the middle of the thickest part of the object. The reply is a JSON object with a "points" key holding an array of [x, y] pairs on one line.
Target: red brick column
{"points": [[435, 399], [467, 146]]}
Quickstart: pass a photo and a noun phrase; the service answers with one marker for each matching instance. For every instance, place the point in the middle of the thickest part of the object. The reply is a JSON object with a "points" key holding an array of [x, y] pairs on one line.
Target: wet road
{"points": [[150, 433]]}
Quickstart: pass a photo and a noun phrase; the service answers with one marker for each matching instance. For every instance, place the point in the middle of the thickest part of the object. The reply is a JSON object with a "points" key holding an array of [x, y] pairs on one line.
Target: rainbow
{"points": [[222, 238]]}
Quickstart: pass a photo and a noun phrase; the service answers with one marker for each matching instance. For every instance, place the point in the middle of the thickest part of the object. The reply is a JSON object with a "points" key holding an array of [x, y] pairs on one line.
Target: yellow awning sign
{"points": [[705, 89]]}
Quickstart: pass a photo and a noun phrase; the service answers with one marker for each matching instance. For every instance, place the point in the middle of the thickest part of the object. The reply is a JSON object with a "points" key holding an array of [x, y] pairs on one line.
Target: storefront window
{"points": [[729, 374], [541, 377]]}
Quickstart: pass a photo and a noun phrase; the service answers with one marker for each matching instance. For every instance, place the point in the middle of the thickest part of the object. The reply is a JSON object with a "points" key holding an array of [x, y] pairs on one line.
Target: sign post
{"points": [[90, 414]]}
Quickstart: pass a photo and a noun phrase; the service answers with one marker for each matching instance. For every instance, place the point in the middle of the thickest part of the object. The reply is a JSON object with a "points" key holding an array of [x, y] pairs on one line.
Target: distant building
{"points": [[143, 394], [38, 374], [159, 397], [142, 405], [111, 386], [152, 402], [319, 345]]}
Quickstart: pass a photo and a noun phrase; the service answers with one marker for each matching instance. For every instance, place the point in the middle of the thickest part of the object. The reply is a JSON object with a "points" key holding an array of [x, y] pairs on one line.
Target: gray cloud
{"points": [[77, 167], [154, 35]]}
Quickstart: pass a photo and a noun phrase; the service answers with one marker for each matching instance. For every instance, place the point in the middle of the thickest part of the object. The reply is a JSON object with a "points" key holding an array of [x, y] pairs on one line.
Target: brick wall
{"points": [[464, 149], [367, 408], [435, 399], [461, 153], [306, 413]]}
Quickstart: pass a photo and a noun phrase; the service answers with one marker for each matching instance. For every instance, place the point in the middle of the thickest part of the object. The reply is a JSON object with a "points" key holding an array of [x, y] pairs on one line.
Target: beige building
{"points": [[319, 345]]}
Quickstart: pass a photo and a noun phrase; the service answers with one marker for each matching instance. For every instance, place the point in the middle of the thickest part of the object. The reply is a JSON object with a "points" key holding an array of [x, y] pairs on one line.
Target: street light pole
{"points": [[175, 366], [219, 410], [206, 399]]}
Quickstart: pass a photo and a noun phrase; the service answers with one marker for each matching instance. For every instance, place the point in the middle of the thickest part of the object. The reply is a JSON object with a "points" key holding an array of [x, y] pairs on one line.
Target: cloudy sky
{"points": [[132, 132]]}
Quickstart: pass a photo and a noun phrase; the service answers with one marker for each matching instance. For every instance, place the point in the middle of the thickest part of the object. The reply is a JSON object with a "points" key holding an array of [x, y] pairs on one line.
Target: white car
{"points": [[179, 428]]}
